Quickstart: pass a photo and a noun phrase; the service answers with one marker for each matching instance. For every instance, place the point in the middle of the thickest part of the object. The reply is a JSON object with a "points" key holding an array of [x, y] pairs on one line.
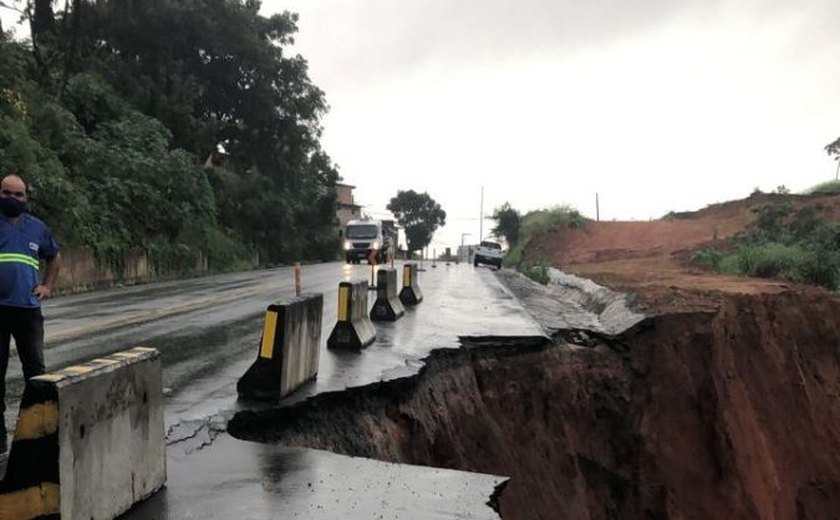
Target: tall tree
{"points": [[43, 18], [137, 95], [507, 223], [419, 215]]}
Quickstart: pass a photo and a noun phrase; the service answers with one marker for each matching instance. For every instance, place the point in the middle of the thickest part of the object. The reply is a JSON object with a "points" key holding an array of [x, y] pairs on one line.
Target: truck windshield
{"points": [[365, 231]]}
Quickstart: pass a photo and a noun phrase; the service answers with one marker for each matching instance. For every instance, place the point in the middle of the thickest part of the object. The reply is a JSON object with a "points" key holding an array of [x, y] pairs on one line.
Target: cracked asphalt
{"points": [[207, 330]]}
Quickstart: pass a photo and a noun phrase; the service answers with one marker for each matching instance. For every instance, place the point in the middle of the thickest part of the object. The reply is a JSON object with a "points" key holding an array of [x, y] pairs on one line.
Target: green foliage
{"points": [[824, 188], [538, 223], [771, 259], [782, 243], [707, 257], [537, 271], [729, 264], [112, 115], [507, 223], [419, 215]]}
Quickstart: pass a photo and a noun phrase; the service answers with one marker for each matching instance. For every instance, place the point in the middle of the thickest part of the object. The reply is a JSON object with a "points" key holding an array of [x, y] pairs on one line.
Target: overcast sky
{"points": [[657, 105]]}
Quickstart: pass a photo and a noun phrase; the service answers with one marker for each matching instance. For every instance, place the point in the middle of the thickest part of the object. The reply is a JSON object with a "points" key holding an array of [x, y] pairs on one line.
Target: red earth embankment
{"points": [[639, 255]]}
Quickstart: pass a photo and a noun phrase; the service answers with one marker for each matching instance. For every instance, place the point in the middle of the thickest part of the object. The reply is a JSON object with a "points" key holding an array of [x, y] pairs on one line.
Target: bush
{"points": [[538, 223], [797, 246], [772, 259], [822, 268], [707, 257], [225, 253], [537, 272], [729, 264], [824, 188]]}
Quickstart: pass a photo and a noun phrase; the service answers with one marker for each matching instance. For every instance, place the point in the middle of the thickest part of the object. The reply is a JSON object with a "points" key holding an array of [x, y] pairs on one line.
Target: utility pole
{"points": [[597, 209], [481, 218]]}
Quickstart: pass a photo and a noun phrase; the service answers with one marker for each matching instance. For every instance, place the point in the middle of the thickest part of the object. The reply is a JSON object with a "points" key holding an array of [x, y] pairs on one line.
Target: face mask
{"points": [[12, 207]]}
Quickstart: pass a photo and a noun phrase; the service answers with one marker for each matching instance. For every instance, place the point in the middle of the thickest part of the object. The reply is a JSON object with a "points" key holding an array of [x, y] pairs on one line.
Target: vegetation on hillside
{"points": [[531, 225], [824, 188], [185, 128], [781, 242]]}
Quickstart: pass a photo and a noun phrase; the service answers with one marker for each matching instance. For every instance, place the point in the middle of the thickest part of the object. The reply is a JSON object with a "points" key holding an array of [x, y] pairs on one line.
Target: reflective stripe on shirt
{"points": [[23, 259]]}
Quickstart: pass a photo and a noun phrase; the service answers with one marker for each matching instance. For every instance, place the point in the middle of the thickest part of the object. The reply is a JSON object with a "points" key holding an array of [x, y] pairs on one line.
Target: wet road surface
{"points": [[207, 330]]}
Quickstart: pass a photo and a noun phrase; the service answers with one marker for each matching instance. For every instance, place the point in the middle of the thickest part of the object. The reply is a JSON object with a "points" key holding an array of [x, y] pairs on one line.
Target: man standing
{"points": [[24, 240]]}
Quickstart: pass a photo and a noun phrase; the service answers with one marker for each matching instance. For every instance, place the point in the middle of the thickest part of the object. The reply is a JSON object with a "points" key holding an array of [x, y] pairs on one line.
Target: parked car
{"points": [[488, 253]]}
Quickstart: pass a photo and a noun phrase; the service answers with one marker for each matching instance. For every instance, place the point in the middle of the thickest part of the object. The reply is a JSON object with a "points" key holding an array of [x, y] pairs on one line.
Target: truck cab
{"points": [[365, 236]]}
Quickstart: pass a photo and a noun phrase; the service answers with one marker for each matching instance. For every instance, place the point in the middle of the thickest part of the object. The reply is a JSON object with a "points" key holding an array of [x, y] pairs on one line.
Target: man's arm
{"points": [[44, 289]]}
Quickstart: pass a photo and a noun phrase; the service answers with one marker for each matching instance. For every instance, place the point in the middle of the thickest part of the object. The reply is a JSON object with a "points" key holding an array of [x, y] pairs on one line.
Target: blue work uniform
{"points": [[22, 245]]}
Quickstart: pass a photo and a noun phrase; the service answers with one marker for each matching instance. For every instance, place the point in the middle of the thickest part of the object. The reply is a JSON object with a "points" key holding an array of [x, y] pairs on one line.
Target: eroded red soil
{"points": [[651, 258]]}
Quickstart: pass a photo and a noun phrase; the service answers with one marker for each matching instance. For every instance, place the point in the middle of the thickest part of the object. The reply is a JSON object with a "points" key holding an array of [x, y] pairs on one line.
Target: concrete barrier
{"points": [[89, 441], [387, 306], [353, 329], [289, 349], [410, 293]]}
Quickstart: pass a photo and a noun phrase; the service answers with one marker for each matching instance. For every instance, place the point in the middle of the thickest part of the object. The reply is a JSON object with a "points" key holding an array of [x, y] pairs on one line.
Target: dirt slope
{"points": [[630, 255]]}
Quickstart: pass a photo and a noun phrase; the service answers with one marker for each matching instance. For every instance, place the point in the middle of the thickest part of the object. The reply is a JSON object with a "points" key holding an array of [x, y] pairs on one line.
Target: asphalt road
{"points": [[207, 330]]}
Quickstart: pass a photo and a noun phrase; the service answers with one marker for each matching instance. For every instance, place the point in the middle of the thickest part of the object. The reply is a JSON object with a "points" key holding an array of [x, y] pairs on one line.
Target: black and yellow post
{"points": [[30, 488], [289, 349], [387, 306], [353, 328], [410, 293]]}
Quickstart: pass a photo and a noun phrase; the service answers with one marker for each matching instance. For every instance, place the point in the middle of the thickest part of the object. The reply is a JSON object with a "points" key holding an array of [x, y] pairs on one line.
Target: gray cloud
{"points": [[375, 37]]}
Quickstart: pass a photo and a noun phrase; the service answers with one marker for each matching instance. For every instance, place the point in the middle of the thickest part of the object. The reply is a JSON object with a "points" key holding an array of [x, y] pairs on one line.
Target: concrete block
{"points": [[89, 441], [387, 306], [353, 330], [410, 293], [289, 349]]}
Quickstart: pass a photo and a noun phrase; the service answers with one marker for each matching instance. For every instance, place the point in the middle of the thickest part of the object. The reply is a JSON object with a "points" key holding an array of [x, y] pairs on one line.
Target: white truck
{"points": [[362, 237], [489, 253]]}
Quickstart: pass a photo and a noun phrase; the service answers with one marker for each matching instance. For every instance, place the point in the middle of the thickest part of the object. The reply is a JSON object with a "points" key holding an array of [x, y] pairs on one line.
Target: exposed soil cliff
{"points": [[725, 410]]}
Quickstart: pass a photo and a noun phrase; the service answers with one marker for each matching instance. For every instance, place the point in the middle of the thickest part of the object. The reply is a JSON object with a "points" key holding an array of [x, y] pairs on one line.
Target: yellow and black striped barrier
{"points": [[89, 440], [289, 349], [387, 306], [353, 329], [410, 293]]}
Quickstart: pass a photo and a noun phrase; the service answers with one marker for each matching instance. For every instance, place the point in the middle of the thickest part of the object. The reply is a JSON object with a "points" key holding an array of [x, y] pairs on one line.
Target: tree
{"points": [[182, 127], [419, 215], [507, 223], [833, 148]]}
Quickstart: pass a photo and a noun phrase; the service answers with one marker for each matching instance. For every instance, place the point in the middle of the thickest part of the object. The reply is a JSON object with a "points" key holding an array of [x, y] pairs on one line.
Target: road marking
{"points": [[151, 315]]}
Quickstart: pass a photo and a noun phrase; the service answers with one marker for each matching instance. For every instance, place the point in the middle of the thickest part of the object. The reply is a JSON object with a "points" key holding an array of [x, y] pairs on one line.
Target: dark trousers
{"points": [[27, 327]]}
